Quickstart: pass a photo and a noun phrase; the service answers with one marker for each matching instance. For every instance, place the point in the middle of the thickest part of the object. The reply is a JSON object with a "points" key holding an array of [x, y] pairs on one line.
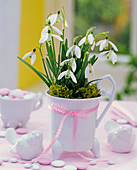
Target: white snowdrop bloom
{"points": [[72, 61], [89, 72], [45, 30], [90, 40], [111, 55], [104, 43], [67, 74], [54, 18], [31, 55], [74, 49], [93, 46], [48, 37]]}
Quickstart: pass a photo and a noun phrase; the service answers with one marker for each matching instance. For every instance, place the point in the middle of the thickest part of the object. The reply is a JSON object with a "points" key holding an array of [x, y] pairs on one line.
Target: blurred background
{"points": [[21, 22]]}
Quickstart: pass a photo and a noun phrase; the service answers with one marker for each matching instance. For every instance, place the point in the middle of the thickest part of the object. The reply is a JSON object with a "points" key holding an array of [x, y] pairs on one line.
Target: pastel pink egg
{"points": [[17, 95], [26, 92], [81, 166], [44, 161], [4, 91], [21, 131], [11, 97]]}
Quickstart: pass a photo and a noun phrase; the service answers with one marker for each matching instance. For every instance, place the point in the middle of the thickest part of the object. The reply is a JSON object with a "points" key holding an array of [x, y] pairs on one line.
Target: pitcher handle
{"points": [[103, 93], [38, 101]]}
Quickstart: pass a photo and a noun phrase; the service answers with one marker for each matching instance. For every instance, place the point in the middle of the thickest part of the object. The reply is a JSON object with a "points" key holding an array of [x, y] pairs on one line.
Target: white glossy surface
{"points": [[17, 112], [28, 146], [121, 138]]}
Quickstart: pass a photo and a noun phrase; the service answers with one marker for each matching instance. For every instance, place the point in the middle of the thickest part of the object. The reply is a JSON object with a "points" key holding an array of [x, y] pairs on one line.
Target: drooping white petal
{"points": [[70, 50], [102, 54], [93, 46], [45, 30], [82, 41], [57, 37], [113, 45], [102, 45], [53, 18], [99, 42], [113, 57], [87, 72], [90, 39], [33, 58], [28, 54], [66, 23], [65, 61], [43, 38], [62, 74], [57, 30], [73, 65], [77, 51], [73, 77]]}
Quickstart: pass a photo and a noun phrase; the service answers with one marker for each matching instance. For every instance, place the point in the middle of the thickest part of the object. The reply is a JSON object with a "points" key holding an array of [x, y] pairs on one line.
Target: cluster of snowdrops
{"points": [[69, 72]]}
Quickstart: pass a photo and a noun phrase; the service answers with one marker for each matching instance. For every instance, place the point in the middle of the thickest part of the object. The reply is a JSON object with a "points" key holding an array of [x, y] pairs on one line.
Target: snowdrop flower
{"points": [[104, 43], [31, 55], [67, 74], [71, 61], [93, 45], [89, 71], [55, 18], [90, 40], [45, 30], [74, 49], [47, 37], [110, 54]]}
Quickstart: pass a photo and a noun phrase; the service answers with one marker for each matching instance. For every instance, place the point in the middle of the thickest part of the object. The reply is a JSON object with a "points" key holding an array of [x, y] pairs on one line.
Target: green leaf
{"points": [[91, 82], [63, 55], [93, 59], [48, 83], [50, 67], [82, 75]]}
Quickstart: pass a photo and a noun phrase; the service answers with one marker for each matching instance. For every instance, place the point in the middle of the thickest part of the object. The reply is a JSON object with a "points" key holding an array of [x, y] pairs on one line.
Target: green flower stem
{"points": [[63, 34], [101, 33], [43, 62], [53, 47]]}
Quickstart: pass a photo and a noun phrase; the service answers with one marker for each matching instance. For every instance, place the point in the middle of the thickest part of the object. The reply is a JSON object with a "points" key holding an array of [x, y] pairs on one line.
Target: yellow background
{"points": [[31, 24]]}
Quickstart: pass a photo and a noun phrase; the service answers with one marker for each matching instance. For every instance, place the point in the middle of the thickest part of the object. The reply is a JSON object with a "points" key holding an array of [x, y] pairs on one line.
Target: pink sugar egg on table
{"points": [[4, 91], [21, 131], [44, 161]]}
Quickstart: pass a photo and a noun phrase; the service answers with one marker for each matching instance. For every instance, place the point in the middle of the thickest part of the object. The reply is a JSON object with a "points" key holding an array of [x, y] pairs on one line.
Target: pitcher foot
{"points": [[96, 148], [57, 150]]}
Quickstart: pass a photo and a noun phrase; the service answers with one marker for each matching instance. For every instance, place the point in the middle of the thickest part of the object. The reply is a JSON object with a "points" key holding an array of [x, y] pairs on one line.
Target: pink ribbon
{"points": [[82, 114]]}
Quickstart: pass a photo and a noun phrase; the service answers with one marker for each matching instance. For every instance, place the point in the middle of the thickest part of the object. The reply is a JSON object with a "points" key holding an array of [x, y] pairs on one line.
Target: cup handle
{"points": [[110, 95], [38, 101]]}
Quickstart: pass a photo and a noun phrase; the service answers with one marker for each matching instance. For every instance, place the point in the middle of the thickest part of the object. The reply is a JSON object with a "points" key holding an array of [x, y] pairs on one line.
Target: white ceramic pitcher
{"points": [[85, 132]]}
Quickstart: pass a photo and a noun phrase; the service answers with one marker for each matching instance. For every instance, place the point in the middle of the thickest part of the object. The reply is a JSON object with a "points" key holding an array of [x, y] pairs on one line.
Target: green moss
{"points": [[90, 91], [60, 91]]}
